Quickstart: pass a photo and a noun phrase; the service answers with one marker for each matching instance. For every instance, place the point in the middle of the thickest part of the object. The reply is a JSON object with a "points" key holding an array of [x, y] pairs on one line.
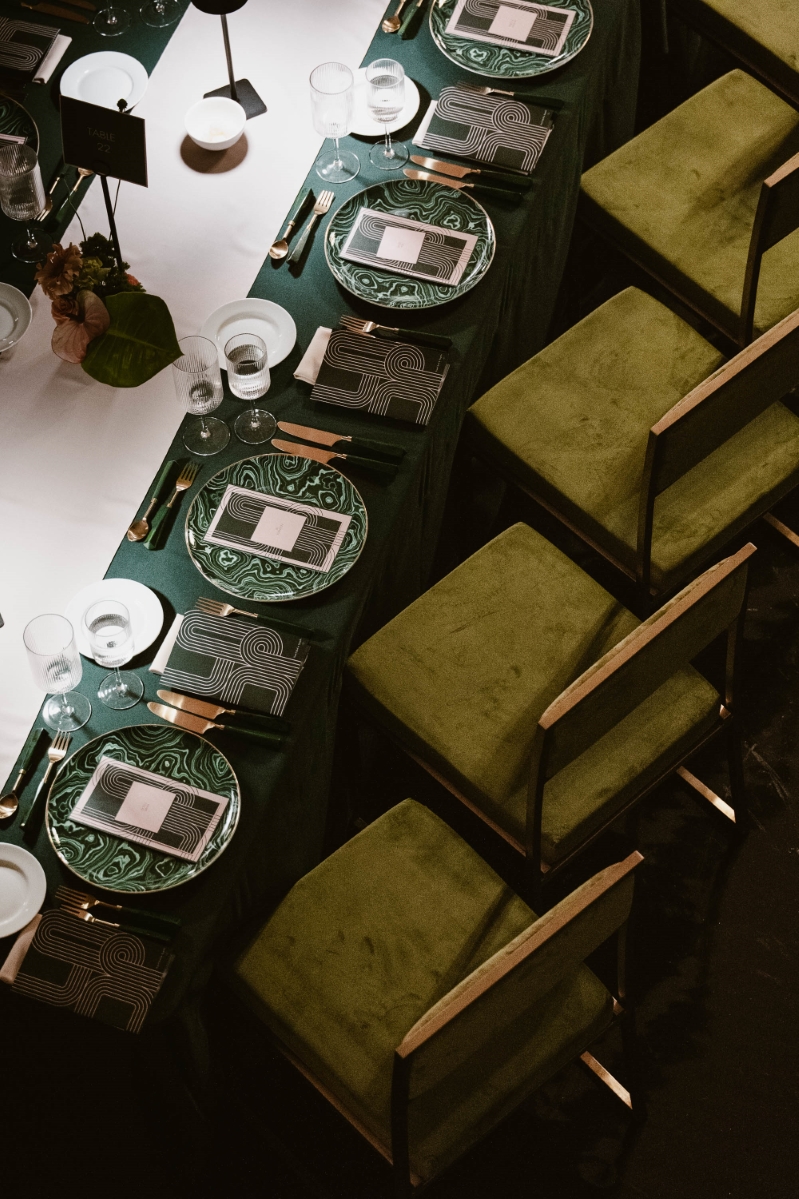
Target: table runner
{"points": [[502, 322]]}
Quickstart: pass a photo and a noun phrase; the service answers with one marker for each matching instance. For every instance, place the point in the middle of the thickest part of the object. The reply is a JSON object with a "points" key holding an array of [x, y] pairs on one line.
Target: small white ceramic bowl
{"points": [[215, 123], [15, 316]]}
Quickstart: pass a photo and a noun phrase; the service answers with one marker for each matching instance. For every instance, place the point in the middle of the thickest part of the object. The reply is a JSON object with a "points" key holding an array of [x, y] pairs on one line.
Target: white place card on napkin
{"points": [[515, 24], [407, 247], [270, 526]]}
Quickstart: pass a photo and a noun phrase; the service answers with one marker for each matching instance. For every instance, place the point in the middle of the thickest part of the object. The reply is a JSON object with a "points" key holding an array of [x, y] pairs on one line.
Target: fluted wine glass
{"points": [[198, 383], [22, 198], [332, 107], [111, 641], [56, 668], [385, 91]]}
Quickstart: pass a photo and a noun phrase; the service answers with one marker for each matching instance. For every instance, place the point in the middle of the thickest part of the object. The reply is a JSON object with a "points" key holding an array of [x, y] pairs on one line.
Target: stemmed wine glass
{"points": [[248, 378], [332, 107], [160, 13], [112, 20], [22, 198], [198, 383], [385, 82], [111, 640], [56, 667]]}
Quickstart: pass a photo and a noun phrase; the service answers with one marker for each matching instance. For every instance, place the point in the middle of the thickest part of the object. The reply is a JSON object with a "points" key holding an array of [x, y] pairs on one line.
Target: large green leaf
{"points": [[140, 342]]}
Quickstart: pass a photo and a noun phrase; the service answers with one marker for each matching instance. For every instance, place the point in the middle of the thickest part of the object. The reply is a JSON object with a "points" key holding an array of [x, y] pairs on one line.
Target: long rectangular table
{"points": [[498, 325]]}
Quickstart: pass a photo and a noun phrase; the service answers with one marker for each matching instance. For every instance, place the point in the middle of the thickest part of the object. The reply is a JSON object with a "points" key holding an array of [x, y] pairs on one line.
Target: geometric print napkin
{"points": [[495, 130]]}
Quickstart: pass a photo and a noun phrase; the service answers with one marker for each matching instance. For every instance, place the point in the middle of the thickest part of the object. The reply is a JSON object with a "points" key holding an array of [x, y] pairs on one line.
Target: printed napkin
{"points": [[272, 527], [154, 811], [536, 28], [105, 973], [235, 661], [406, 247], [495, 130], [373, 374], [23, 45]]}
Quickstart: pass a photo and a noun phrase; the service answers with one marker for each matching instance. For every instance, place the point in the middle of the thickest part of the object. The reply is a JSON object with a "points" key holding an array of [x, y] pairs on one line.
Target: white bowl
{"points": [[15, 316], [215, 123]]}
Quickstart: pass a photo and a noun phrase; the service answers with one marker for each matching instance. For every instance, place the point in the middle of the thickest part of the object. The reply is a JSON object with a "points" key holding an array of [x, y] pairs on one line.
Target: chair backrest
{"points": [[776, 217], [640, 664], [477, 1010]]}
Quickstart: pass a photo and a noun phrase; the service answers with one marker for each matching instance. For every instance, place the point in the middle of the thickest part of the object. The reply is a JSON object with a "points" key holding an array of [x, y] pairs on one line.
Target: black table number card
{"points": [[101, 140]]}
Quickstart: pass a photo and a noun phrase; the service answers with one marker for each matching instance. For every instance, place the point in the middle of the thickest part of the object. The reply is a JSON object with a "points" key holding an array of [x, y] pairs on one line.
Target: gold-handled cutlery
{"points": [[319, 209], [155, 537], [10, 801], [280, 248], [212, 607], [198, 724], [356, 324], [126, 926], [380, 470], [141, 527], [83, 173], [53, 10], [56, 752], [82, 900], [461, 184], [460, 172], [361, 445], [200, 707], [391, 24]]}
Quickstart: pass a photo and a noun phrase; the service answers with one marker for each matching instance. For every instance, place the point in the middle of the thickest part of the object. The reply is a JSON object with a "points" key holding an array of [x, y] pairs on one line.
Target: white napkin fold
{"points": [[10, 967], [312, 359], [52, 58], [158, 664]]}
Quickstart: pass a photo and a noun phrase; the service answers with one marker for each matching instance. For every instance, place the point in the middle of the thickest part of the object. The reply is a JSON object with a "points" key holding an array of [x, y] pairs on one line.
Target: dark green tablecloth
{"points": [[499, 324]]}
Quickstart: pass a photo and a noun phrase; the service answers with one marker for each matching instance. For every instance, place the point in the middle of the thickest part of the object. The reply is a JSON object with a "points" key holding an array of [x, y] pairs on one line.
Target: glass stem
{"points": [[119, 686], [64, 706], [389, 147], [204, 430], [337, 163]]}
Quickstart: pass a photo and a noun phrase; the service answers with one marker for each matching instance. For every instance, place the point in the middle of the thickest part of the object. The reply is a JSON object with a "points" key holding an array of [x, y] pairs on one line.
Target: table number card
{"points": [[272, 527], [535, 28], [154, 811], [407, 247], [495, 130]]}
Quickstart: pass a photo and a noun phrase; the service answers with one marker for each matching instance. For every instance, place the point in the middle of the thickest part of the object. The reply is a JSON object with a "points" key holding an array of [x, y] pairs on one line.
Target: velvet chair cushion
{"points": [[572, 424], [462, 676], [369, 941], [681, 198], [763, 33]]}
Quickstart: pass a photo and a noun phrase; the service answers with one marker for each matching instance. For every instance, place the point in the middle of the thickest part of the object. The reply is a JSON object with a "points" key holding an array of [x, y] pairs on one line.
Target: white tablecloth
{"points": [[75, 456]]}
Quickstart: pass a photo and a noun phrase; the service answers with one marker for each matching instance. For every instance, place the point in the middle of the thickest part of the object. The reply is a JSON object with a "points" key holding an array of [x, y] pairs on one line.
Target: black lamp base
{"points": [[246, 95]]}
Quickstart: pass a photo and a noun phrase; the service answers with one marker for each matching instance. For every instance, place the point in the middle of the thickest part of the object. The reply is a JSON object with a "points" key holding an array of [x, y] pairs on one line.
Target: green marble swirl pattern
{"points": [[17, 121], [497, 62], [118, 865], [267, 579], [420, 201]]}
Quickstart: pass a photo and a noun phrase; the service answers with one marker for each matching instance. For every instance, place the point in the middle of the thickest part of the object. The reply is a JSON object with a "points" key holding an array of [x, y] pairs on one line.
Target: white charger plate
{"points": [[263, 317], [15, 316], [363, 122], [23, 887], [146, 613], [105, 77]]}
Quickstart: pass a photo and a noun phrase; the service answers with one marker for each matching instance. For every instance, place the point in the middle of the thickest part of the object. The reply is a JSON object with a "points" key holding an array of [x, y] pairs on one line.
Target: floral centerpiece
{"points": [[104, 318]]}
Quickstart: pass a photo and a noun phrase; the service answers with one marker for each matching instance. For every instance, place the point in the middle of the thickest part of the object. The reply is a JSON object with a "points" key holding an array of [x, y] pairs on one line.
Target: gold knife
{"points": [[54, 11], [383, 471], [199, 707], [195, 724], [460, 172], [395, 453], [460, 184]]}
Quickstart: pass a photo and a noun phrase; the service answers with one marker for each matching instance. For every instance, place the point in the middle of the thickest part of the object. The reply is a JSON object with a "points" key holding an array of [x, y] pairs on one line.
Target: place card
{"points": [[238, 662], [496, 130], [140, 806], [534, 28], [387, 378], [407, 247], [244, 516]]}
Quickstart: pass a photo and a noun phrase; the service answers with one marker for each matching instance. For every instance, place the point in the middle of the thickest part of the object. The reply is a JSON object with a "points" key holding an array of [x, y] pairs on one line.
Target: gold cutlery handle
{"points": [[297, 252]]}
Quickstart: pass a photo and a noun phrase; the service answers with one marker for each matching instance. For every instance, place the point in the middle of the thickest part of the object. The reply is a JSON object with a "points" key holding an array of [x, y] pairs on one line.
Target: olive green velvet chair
{"points": [[707, 201], [762, 34], [423, 998], [541, 702], [625, 430]]}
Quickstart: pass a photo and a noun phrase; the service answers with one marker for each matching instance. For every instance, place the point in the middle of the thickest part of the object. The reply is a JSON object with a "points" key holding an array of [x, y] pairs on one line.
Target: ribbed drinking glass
{"points": [[56, 668], [198, 384], [22, 198], [332, 107], [111, 641], [248, 378], [385, 83]]}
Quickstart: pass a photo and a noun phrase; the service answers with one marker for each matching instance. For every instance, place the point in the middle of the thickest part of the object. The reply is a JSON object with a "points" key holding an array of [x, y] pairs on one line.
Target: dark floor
{"points": [[715, 972]]}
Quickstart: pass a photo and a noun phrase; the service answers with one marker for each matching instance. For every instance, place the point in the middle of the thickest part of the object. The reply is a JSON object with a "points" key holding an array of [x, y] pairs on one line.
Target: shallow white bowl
{"points": [[215, 123], [15, 316]]}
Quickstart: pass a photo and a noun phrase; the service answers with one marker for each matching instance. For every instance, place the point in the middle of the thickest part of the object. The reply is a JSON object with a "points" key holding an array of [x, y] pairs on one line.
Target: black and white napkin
{"points": [[270, 526], [536, 28], [105, 973], [140, 806], [496, 130], [235, 661], [388, 378], [23, 46], [406, 247]]}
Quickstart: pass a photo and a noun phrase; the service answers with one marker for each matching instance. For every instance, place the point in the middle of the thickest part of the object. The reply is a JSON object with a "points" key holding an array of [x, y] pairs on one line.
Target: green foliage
{"points": [[100, 271], [139, 343]]}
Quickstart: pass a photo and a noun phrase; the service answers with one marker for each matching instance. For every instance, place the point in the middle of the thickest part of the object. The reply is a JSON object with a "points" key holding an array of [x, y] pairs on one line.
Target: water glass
{"points": [[248, 378], [332, 107], [22, 198], [112, 20], [160, 13], [56, 667], [198, 384], [111, 641], [385, 97]]}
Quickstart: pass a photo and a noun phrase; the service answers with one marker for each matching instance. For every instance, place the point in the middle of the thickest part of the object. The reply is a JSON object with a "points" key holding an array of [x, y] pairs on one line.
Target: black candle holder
{"points": [[240, 90]]}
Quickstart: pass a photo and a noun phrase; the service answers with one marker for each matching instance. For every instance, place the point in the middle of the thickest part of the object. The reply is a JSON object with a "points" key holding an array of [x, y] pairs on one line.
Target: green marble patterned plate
{"points": [[18, 121], [249, 577], [497, 62], [125, 866], [420, 201]]}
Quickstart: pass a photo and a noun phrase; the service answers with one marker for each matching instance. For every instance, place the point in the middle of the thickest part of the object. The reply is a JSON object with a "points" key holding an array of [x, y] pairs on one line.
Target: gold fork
{"points": [[357, 324], [319, 209], [57, 751], [155, 538], [210, 607]]}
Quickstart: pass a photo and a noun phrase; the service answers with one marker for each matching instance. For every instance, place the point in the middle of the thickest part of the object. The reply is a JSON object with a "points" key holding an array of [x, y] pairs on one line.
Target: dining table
{"points": [[77, 459]]}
